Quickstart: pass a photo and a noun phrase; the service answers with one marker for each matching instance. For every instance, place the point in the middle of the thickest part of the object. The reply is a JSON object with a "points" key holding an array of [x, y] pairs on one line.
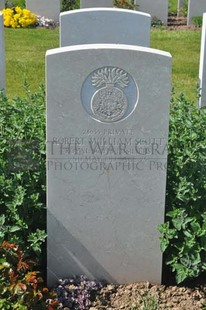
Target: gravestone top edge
{"points": [[107, 46], [202, 48], [104, 10], [1, 23], [202, 63]]}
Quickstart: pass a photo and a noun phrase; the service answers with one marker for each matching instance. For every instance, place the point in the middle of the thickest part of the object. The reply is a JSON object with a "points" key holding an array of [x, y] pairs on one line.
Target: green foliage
{"points": [[184, 232], [13, 3], [125, 4], [21, 288], [67, 5], [148, 302], [9, 4], [184, 9], [156, 23], [172, 9], [22, 171], [197, 21]]}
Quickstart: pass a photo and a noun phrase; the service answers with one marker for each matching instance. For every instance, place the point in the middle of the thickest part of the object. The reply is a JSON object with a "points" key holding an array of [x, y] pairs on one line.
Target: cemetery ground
{"points": [[145, 296], [25, 61], [25, 52]]}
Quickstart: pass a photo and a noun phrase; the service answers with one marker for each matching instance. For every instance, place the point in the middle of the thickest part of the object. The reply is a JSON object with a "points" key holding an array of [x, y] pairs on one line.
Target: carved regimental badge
{"points": [[109, 103], [109, 94]]}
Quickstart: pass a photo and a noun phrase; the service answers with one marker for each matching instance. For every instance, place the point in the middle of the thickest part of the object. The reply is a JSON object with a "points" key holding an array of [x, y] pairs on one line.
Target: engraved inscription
{"points": [[109, 94]]}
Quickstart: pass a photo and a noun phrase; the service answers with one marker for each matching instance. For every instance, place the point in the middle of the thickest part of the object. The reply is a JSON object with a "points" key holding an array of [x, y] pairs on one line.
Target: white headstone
{"points": [[156, 8], [202, 67], [96, 3], [104, 25], [47, 8], [107, 131], [195, 8], [2, 55]]}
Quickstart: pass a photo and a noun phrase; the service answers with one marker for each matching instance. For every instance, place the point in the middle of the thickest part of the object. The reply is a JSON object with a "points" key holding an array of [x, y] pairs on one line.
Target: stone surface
{"points": [[195, 8], [157, 8], [107, 130], [2, 55], [104, 26], [2, 4], [46, 8], [96, 3], [202, 67]]}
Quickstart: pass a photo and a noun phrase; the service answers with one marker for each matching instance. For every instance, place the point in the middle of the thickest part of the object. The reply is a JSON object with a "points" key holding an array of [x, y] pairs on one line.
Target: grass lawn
{"points": [[25, 57], [184, 47]]}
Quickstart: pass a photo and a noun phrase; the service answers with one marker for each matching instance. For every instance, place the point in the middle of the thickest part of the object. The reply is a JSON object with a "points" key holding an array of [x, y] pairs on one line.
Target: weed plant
{"points": [[148, 302], [197, 21]]}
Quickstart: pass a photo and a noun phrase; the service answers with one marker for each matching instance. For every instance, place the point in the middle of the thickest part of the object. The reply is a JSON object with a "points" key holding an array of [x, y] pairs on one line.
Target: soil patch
{"points": [[144, 296], [179, 23]]}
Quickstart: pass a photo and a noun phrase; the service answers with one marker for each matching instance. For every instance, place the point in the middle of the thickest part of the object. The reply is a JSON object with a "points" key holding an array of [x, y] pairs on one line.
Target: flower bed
{"points": [[17, 17]]}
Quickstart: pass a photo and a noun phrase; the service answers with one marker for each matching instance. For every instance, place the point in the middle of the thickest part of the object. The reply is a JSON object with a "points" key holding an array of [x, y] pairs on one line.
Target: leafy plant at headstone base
{"points": [[172, 7], [183, 235], [13, 3], [184, 9], [125, 4], [23, 172], [67, 5], [8, 4], [197, 21], [77, 292], [156, 22], [148, 301], [22, 288]]}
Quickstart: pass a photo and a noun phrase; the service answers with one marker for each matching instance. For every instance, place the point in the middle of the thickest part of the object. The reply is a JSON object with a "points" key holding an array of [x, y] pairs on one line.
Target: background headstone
{"points": [[96, 3], [104, 26], [2, 55], [195, 8], [2, 4], [202, 67], [156, 8], [47, 8], [107, 131]]}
